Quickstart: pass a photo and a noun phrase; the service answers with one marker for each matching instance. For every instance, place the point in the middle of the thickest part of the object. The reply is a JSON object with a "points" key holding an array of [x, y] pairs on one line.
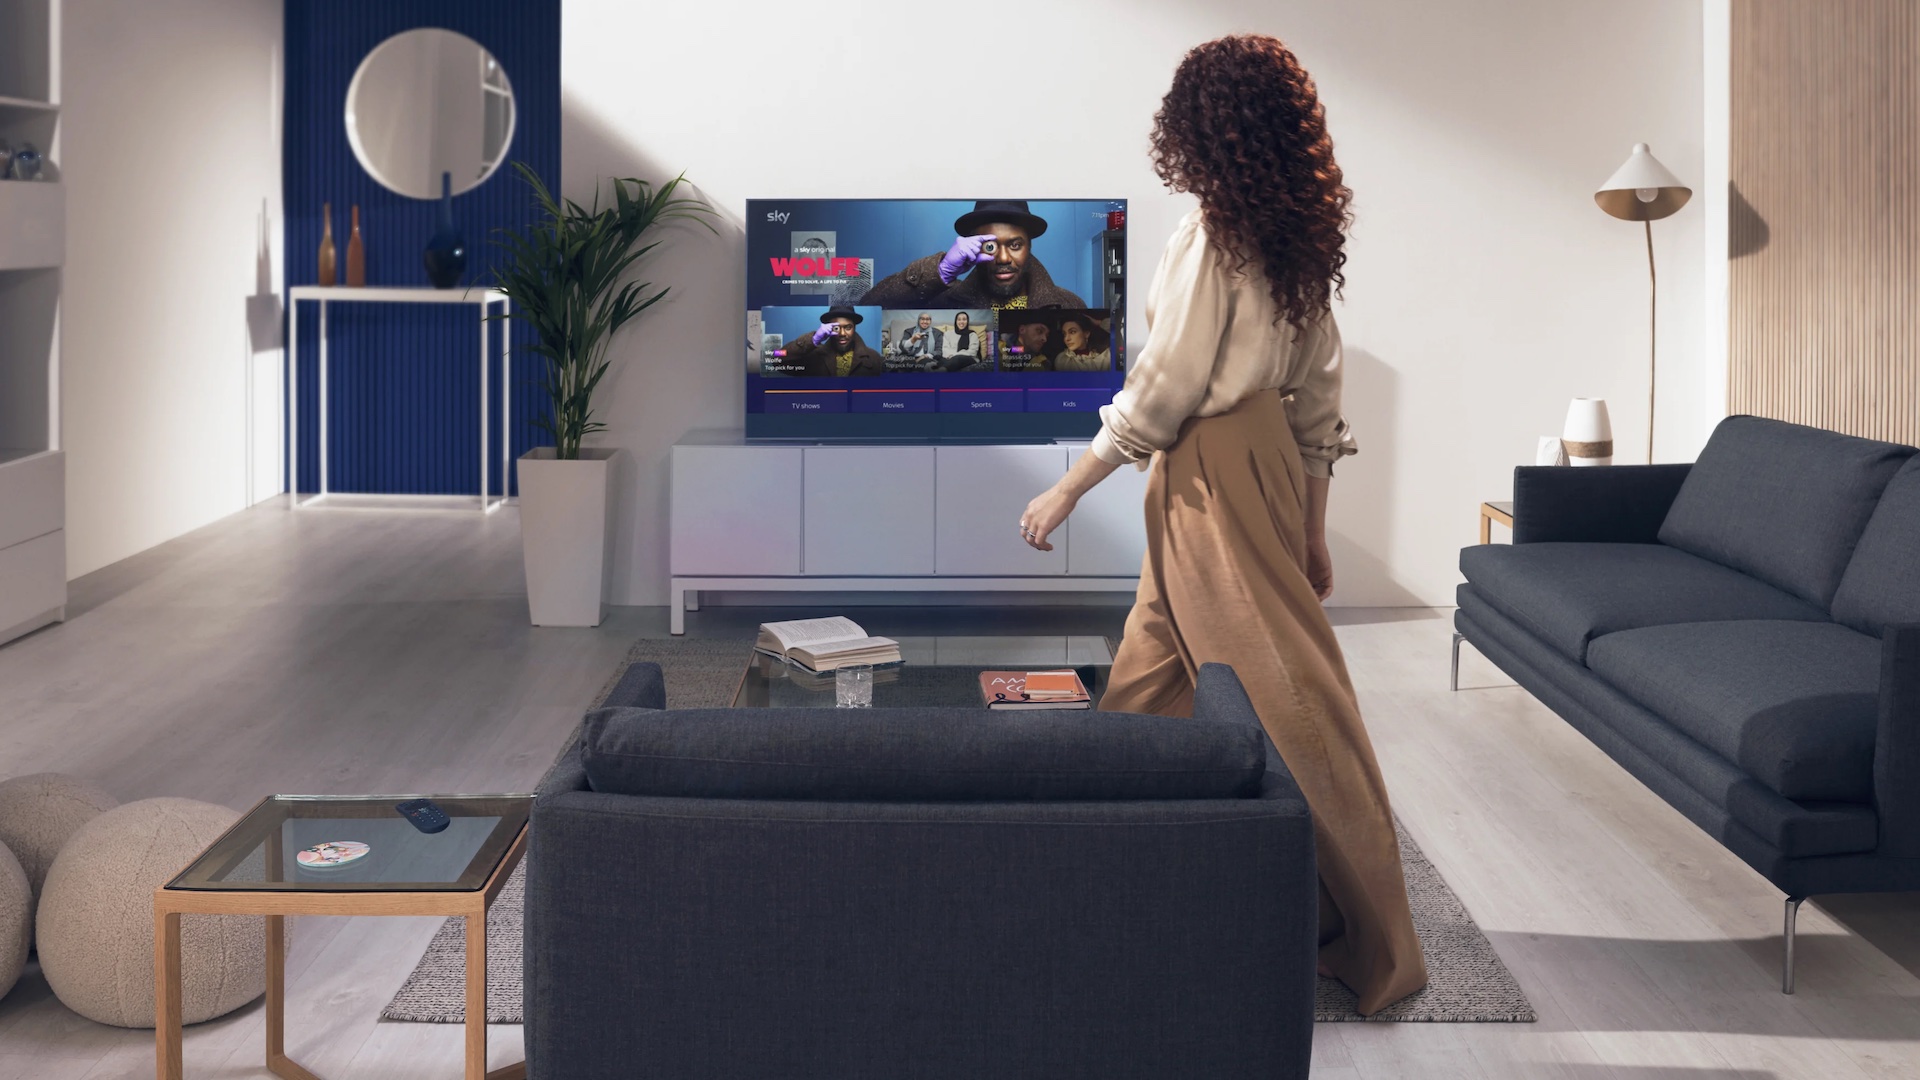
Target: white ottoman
{"points": [[16, 919], [96, 918], [39, 812]]}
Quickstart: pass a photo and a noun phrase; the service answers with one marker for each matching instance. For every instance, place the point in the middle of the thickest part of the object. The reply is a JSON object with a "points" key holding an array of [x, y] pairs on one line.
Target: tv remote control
{"points": [[425, 815]]}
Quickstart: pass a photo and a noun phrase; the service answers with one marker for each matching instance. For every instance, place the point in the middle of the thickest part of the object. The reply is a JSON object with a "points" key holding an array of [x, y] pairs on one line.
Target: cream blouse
{"points": [[1213, 339]]}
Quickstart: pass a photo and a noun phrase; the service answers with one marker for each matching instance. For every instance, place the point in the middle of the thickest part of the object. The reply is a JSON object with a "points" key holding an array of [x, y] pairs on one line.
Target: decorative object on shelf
{"points": [[1589, 435], [329, 255], [1643, 190], [356, 254], [6, 158], [416, 112], [26, 163], [573, 261], [446, 254], [1552, 451]]}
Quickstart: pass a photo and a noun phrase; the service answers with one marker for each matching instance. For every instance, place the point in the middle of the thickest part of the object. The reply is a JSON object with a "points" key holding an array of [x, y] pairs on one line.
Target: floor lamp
{"points": [[1643, 190]]}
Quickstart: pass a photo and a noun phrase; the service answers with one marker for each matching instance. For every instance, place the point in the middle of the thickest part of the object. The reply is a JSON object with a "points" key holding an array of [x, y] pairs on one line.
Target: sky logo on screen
{"points": [[778, 217], [815, 268]]}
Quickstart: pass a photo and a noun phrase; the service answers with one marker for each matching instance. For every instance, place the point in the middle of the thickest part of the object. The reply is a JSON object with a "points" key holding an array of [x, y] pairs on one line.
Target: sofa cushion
{"points": [[1794, 704], [1881, 587], [1782, 502], [919, 755], [1569, 594]]}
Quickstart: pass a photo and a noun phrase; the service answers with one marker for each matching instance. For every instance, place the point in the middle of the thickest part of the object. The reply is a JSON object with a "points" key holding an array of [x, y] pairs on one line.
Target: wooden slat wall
{"points": [[1824, 283]]}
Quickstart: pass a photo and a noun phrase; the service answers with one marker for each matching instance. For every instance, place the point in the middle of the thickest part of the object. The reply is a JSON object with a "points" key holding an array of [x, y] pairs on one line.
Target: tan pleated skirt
{"points": [[1225, 581]]}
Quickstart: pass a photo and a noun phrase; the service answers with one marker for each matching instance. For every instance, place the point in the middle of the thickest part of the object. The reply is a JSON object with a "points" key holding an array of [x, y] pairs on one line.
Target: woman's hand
{"points": [[1045, 514], [1319, 566]]}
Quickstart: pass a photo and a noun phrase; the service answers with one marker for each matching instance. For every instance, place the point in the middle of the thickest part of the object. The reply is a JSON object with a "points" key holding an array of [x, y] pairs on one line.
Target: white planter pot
{"points": [[563, 535], [1589, 434]]}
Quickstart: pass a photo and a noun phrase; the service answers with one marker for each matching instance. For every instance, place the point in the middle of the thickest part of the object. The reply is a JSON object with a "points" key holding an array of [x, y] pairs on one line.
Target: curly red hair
{"points": [[1243, 129]]}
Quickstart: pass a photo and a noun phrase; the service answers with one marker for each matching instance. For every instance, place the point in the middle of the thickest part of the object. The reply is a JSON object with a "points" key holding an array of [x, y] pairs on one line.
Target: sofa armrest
{"points": [[1618, 504], [1219, 695], [641, 686], [1896, 752]]}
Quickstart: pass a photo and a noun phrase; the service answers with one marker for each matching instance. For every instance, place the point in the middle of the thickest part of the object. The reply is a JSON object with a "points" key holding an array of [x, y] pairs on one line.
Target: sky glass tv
{"points": [[934, 319]]}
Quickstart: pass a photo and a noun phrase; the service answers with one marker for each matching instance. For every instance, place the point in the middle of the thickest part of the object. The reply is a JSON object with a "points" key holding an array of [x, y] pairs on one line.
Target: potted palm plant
{"points": [[566, 276]]}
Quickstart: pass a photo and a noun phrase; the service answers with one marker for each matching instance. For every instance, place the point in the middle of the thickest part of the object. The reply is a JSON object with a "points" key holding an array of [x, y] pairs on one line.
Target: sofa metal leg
{"points": [[1786, 971], [1458, 637]]}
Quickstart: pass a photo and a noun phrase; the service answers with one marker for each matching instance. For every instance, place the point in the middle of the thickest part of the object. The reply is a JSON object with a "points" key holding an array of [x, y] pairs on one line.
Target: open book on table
{"points": [[825, 644]]}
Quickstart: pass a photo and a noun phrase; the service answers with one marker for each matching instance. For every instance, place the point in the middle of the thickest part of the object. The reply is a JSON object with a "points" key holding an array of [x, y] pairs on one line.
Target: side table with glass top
{"points": [[255, 868]]}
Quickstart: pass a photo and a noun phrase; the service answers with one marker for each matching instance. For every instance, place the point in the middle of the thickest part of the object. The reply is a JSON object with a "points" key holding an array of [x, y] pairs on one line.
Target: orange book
{"points": [[1033, 690]]}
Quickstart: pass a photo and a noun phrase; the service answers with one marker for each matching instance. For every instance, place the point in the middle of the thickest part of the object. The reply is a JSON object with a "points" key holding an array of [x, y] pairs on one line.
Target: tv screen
{"points": [[959, 319]]}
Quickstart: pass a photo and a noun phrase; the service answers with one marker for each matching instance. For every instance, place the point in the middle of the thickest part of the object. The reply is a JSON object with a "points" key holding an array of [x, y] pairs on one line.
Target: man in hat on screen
{"points": [[834, 349], [989, 265]]}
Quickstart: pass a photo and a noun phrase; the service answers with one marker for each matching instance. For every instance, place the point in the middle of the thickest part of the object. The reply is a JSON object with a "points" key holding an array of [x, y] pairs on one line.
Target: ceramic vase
{"points": [[26, 163], [563, 534], [446, 255], [1589, 434], [356, 255], [329, 254]]}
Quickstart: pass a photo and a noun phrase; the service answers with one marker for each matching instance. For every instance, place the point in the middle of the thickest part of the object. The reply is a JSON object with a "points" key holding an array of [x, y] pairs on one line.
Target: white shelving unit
{"points": [[33, 214]]}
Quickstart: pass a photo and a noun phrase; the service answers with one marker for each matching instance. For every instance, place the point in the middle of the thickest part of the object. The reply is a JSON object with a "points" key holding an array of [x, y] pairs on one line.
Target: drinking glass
{"points": [[853, 686]]}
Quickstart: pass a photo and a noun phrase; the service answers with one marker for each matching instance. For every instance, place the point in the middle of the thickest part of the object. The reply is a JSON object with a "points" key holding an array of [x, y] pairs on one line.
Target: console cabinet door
{"points": [[736, 510], [980, 493], [1109, 526], [869, 510]]}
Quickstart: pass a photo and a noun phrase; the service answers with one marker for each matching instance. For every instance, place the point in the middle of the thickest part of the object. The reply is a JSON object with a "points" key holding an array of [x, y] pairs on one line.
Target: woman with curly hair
{"points": [[1236, 401]]}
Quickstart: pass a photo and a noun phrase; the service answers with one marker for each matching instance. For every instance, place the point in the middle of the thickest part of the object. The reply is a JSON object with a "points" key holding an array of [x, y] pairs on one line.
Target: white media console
{"points": [[787, 517]]}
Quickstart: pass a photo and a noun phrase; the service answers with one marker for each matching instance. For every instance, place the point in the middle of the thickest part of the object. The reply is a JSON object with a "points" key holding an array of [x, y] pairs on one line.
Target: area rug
{"points": [[1467, 982]]}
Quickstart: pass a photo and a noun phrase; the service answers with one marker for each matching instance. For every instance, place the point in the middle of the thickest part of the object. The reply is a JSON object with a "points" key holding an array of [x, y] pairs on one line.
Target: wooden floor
{"points": [[349, 651]]}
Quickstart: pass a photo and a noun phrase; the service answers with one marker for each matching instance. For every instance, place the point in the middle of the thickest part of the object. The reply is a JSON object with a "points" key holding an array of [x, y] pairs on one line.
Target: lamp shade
{"points": [[1642, 189]]}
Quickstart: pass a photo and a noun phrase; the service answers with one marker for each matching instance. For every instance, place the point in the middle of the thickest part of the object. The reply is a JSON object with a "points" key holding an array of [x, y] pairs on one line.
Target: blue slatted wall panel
{"points": [[403, 395]]}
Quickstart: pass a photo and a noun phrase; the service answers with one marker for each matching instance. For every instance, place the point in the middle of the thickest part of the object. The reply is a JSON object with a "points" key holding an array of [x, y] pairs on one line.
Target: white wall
{"points": [[1485, 288], [171, 155]]}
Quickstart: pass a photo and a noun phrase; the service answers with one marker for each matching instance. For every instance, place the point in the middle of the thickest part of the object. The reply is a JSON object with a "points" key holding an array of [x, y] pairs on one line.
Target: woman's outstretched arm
{"points": [[1045, 513]]}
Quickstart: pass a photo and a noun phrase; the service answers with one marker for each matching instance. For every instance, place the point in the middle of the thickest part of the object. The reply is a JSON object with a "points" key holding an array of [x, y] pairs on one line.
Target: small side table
{"points": [[253, 869], [1491, 512], [482, 297]]}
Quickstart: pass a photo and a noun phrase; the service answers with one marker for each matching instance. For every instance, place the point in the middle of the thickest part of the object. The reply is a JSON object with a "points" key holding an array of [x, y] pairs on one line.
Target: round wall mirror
{"points": [[427, 102]]}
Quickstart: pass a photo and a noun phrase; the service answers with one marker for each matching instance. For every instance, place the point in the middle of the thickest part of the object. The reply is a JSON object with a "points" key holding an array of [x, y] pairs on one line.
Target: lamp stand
{"points": [[1653, 335]]}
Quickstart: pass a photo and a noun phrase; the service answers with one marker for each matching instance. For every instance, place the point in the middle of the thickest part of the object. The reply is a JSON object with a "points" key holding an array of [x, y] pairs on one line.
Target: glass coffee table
{"points": [[938, 671], [327, 855]]}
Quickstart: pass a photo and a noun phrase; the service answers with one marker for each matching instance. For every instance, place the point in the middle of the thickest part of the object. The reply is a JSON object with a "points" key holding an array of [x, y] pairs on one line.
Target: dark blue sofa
{"points": [[1741, 634], [937, 893]]}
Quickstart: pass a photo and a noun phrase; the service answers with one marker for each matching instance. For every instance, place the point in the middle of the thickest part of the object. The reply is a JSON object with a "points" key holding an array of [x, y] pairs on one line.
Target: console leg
{"points": [[1786, 971], [676, 609], [693, 600], [1457, 639]]}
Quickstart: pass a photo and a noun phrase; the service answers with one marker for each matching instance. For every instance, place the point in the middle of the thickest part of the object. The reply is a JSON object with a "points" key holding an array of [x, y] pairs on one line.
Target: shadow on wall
{"points": [[1363, 489], [1747, 231], [679, 368]]}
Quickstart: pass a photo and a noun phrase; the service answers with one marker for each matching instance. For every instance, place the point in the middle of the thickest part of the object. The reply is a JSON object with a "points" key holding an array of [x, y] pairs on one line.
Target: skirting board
{"points": [[45, 618], [679, 588]]}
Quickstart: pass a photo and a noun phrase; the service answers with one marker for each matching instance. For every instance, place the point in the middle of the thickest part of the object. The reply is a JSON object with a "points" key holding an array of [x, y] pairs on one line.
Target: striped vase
{"points": [[1589, 434]]}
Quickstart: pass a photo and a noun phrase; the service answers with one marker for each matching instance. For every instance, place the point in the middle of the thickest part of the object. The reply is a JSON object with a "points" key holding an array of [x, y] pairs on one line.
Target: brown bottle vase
{"points": [[328, 253], [356, 255]]}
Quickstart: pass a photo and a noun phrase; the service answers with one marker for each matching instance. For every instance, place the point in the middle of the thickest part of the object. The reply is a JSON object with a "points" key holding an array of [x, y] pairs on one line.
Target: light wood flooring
{"points": [[341, 650]]}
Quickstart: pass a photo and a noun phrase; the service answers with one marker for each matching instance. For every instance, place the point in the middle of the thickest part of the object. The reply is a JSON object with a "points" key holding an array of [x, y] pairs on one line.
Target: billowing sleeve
{"points": [[1314, 409], [1186, 316]]}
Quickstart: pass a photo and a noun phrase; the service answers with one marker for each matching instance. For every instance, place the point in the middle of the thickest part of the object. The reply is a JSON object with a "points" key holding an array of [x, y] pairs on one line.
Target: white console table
{"points": [[484, 299], [848, 518]]}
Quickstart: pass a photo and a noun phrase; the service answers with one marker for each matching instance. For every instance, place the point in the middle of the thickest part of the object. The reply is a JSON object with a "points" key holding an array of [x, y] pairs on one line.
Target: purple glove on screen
{"points": [[826, 331], [963, 256]]}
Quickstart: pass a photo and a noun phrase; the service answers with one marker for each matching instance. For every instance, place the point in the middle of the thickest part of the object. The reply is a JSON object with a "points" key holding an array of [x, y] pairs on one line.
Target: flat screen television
{"points": [[934, 319]]}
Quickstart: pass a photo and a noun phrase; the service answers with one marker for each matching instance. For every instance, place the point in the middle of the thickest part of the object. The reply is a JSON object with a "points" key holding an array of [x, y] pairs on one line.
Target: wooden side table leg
{"points": [[477, 995], [1486, 527], [168, 1062], [276, 987]]}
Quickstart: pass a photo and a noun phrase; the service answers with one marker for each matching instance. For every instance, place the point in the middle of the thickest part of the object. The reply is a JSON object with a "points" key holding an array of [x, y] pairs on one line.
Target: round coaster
{"points": [[331, 855]]}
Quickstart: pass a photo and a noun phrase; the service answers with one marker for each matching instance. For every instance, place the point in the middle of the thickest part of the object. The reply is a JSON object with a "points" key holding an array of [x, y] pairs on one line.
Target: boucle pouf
{"points": [[96, 918], [39, 812], [16, 919]]}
